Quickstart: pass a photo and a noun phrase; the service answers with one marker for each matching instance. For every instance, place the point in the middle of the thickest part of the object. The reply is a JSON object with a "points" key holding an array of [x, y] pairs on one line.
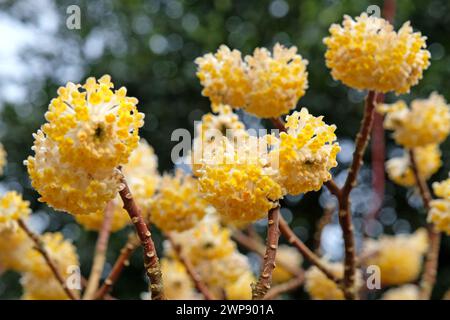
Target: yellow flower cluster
{"points": [[439, 213], [177, 283], [90, 131], [428, 159], [426, 122], [14, 244], [367, 54], [238, 181], [38, 281], [266, 85], [2, 158], [12, 208], [216, 259], [406, 292], [305, 153], [319, 287], [211, 129], [142, 178], [177, 205], [291, 257], [398, 257]]}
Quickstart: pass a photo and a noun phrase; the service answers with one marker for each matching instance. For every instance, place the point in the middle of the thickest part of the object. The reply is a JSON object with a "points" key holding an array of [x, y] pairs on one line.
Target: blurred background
{"points": [[149, 47]]}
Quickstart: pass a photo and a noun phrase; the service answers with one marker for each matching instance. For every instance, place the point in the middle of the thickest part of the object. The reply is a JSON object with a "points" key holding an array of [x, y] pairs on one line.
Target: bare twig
{"points": [[40, 247], [198, 282], [289, 234], [260, 289], [121, 262], [432, 257], [100, 253], [278, 123], [285, 287], [151, 261]]}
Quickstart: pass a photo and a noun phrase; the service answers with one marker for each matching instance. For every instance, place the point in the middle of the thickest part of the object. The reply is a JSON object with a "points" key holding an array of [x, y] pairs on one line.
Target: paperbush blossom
{"points": [[398, 257], [305, 153], [94, 126], [265, 84], [239, 182], [428, 160], [319, 287], [427, 121], [177, 205], [406, 292], [439, 213], [12, 208], [367, 54], [14, 244], [177, 283], [39, 282], [291, 257]]}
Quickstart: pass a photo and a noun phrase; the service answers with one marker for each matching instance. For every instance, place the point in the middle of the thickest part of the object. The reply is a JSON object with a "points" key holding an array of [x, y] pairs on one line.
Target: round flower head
{"points": [[305, 153], [291, 257], [428, 161], [37, 288], [223, 77], [14, 244], [61, 251], [367, 54], [406, 292], [278, 81], [177, 205], [426, 122], [398, 257], [65, 187], [241, 288], [439, 213], [94, 126], [177, 283], [12, 208], [319, 287], [2, 158], [94, 221], [207, 240], [211, 129], [238, 181]]}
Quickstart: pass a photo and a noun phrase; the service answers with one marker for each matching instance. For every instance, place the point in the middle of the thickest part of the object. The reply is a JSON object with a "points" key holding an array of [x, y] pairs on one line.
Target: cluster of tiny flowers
{"points": [[216, 259], [426, 122], [12, 208], [398, 257], [211, 129], [439, 213], [428, 160], [406, 292], [264, 84], [367, 54], [38, 281], [91, 130], [178, 284], [2, 158], [14, 244], [305, 153], [239, 182], [142, 178], [319, 287], [178, 204], [290, 257]]}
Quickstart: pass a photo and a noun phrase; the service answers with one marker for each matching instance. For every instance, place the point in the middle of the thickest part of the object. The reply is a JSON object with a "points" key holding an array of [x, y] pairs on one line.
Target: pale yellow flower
{"points": [[12, 208], [439, 213], [406, 292]]}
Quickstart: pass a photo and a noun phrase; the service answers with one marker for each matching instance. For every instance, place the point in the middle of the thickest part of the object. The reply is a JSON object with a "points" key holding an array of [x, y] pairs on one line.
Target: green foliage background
{"points": [[169, 92]]}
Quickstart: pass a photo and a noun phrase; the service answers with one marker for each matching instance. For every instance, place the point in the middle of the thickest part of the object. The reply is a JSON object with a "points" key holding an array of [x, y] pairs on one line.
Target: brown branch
{"points": [[258, 247], [279, 124], [100, 253], [40, 247], [333, 187], [198, 282], [151, 261], [285, 287], [432, 257], [291, 237], [121, 262], [260, 289]]}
